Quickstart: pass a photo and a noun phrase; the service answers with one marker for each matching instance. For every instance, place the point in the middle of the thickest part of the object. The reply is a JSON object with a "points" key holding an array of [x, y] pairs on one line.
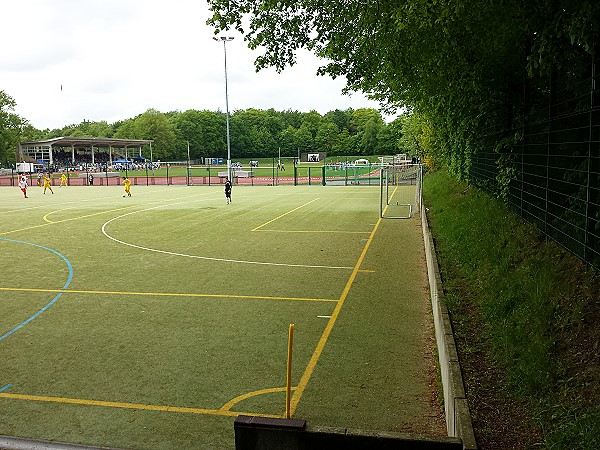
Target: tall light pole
{"points": [[225, 39]]}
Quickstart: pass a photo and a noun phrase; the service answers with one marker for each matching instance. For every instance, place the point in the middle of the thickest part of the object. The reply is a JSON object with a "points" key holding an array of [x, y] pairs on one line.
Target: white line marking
{"points": [[207, 258], [324, 317]]}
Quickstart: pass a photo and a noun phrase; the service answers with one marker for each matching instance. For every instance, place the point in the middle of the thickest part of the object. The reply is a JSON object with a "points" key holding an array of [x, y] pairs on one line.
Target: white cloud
{"points": [[116, 58]]}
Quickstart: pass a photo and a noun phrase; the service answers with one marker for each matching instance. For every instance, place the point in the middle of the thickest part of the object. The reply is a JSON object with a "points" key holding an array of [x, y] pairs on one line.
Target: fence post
{"points": [[592, 159], [552, 99]]}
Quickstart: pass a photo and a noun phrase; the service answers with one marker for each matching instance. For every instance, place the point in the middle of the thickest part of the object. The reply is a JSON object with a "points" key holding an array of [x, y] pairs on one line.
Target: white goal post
{"points": [[400, 190]]}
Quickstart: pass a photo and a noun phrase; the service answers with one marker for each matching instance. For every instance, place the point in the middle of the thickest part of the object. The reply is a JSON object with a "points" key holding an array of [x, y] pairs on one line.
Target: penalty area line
{"points": [[284, 214]]}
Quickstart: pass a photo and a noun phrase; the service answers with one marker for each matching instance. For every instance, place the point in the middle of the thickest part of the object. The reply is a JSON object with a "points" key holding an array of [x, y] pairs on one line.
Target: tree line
{"points": [[460, 68], [254, 133]]}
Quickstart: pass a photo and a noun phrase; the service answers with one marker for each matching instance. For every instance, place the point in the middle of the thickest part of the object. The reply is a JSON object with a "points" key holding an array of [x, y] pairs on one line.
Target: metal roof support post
{"points": [[73, 153], [92, 153]]}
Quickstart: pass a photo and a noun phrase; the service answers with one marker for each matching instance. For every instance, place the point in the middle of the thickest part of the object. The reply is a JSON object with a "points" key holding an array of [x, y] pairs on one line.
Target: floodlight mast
{"points": [[225, 39]]}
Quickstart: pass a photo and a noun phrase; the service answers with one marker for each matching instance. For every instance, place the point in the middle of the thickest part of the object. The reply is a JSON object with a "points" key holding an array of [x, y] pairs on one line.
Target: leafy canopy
{"points": [[456, 64]]}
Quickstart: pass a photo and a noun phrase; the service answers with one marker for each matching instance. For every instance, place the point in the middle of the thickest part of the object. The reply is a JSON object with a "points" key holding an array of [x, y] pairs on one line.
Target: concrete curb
{"points": [[458, 417], [15, 443]]}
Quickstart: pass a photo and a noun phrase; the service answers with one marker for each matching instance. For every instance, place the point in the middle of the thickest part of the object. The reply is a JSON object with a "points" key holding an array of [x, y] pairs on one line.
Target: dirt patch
{"points": [[578, 339], [499, 421]]}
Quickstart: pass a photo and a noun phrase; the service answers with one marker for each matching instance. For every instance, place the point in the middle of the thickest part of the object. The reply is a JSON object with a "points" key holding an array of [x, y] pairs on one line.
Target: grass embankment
{"points": [[527, 318]]}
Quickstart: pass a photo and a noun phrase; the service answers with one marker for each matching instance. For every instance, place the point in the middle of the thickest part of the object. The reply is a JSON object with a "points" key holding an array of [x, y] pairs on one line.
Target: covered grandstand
{"points": [[73, 150]]}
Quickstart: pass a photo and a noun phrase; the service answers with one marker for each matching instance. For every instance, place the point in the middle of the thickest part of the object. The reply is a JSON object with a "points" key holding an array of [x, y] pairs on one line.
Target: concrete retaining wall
{"points": [[458, 416]]}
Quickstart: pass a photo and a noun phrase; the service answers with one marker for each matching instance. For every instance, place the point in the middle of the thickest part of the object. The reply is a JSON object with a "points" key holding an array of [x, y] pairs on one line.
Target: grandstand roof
{"points": [[89, 142]]}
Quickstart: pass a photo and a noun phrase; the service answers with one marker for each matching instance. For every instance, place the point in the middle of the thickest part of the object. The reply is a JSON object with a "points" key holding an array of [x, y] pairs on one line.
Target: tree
{"points": [[340, 118], [459, 65], [154, 125], [388, 139], [366, 123], [288, 142], [11, 126], [124, 130], [327, 137], [416, 139], [304, 139], [311, 121], [204, 130]]}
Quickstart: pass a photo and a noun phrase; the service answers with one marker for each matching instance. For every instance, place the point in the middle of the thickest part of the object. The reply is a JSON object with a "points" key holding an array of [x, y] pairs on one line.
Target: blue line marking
{"points": [[18, 327], [5, 387]]}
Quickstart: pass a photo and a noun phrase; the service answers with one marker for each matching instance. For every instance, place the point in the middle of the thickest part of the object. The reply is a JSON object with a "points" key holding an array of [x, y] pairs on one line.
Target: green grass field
{"points": [[151, 322]]}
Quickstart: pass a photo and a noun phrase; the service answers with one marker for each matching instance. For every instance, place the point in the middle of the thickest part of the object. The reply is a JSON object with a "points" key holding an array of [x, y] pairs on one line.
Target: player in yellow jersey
{"points": [[47, 183], [127, 183], [63, 180]]}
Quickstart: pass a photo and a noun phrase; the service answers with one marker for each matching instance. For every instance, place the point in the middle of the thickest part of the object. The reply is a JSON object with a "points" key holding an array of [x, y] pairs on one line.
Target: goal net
{"points": [[400, 191]]}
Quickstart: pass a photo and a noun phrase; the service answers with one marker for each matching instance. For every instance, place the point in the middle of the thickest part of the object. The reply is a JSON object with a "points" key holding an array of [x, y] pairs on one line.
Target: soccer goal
{"points": [[400, 191]]}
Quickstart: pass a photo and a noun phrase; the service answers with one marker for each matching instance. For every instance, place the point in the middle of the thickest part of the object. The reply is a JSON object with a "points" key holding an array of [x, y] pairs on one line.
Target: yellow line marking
{"points": [[330, 323], [227, 406], [45, 218], [48, 222], [284, 214], [94, 199], [140, 406], [82, 217], [314, 231], [26, 228], [168, 294]]}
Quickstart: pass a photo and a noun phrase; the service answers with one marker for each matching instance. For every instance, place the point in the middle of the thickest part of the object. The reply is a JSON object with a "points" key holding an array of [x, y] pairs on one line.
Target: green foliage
{"points": [[458, 65], [11, 127], [417, 139], [155, 125], [204, 130], [579, 433], [512, 287], [525, 291], [254, 133]]}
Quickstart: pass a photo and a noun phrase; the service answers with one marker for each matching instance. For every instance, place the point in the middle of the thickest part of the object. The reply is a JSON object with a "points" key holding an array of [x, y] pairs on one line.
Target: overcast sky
{"points": [[65, 61]]}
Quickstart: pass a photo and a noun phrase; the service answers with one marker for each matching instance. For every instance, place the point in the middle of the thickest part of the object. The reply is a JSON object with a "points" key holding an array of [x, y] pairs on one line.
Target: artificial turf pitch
{"points": [[151, 322]]}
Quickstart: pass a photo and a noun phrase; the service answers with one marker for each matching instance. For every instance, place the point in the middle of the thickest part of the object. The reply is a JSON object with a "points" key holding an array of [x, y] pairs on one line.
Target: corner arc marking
{"points": [[231, 403]]}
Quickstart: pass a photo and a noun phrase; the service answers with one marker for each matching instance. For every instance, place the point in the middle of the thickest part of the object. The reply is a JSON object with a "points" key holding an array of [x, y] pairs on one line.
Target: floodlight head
{"points": [[216, 38]]}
